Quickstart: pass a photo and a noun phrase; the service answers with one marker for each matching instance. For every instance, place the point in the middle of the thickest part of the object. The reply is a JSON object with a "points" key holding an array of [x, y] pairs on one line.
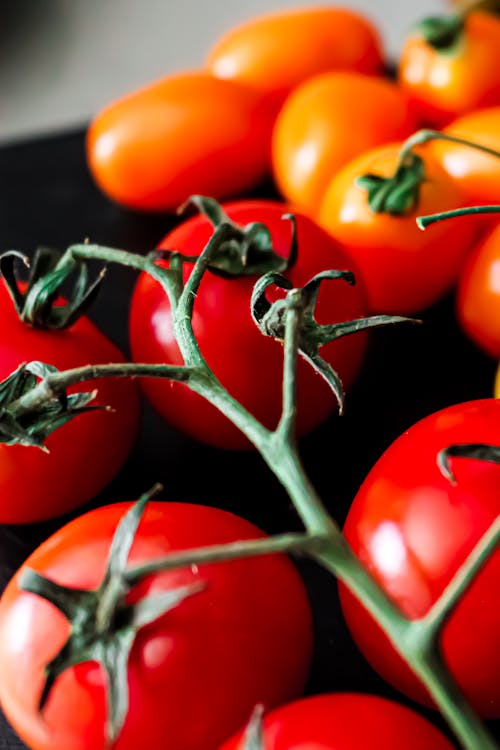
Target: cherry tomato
{"points": [[478, 301], [447, 82], [188, 133], [412, 529], [325, 123], [346, 721], [85, 453], [194, 674], [404, 269], [477, 174], [246, 362], [276, 52]]}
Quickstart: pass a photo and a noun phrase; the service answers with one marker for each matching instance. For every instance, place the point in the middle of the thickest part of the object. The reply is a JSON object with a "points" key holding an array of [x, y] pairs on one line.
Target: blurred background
{"points": [[63, 60]]}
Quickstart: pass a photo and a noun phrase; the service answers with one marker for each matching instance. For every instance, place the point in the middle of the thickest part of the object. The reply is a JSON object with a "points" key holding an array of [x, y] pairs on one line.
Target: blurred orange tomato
{"points": [[277, 51], [326, 122], [457, 77], [187, 133], [404, 269]]}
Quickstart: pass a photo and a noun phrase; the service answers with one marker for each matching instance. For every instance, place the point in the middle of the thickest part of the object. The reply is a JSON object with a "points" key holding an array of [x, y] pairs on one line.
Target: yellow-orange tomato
{"points": [[188, 133], [277, 51], [496, 387], [325, 123], [478, 300], [477, 174], [404, 270], [445, 83]]}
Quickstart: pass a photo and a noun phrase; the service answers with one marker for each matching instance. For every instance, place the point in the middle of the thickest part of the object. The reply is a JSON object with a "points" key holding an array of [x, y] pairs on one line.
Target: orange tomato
{"points": [[444, 83], [326, 122], [277, 51], [477, 174], [478, 300], [404, 270], [188, 133]]}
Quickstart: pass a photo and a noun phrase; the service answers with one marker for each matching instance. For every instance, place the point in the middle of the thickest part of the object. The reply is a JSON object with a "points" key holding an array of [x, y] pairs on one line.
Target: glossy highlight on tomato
{"points": [[195, 674], [247, 363], [412, 529]]}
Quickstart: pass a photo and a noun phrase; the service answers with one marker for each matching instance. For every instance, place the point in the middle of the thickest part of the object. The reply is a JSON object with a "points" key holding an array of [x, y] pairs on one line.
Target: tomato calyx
{"points": [[477, 451], [39, 304], [104, 625], [254, 732], [248, 250], [399, 194], [32, 427], [271, 319], [442, 33]]}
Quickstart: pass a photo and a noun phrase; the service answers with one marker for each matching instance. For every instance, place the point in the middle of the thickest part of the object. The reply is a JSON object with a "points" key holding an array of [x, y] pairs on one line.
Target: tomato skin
{"points": [[84, 454], [247, 363], [404, 269], [346, 721], [187, 133], [185, 670], [278, 51], [478, 299], [412, 529], [325, 123], [477, 174], [445, 84]]}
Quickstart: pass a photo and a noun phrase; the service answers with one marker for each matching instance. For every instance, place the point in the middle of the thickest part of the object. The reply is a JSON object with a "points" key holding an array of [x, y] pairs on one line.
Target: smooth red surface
{"points": [[412, 529], [246, 362], [194, 674]]}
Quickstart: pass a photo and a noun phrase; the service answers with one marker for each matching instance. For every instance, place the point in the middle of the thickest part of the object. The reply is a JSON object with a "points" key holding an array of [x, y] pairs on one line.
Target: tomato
{"points": [[187, 133], [478, 300], [404, 269], [412, 529], [497, 384], [461, 76], [346, 721], [247, 363], [277, 51], [195, 673], [477, 174], [325, 123], [85, 453]]}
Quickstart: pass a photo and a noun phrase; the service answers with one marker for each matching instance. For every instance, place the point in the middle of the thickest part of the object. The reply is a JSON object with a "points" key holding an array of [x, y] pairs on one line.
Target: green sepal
{"points": [[249, 250], [38, 305], [476, 451], [103, 624], [397, 195], [32, 428], [270, 318], [254, 732], [443, 33]]}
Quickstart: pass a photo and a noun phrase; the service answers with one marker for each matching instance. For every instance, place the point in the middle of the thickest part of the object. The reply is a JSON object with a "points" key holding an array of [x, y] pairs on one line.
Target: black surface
{"points": [[47, 197]]}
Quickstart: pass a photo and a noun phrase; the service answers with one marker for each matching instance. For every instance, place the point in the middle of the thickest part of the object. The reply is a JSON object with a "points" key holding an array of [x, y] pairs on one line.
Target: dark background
{"points": [[47, 198]]}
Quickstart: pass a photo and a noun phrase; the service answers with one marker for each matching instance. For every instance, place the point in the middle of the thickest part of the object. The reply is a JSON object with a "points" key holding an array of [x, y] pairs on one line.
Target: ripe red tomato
{"points": [[404, 269], [188, 133], [194, 674], [85, 453], [346, 721], [325, 123], [412, 529], [277, 51], [456, 78], [478, 300], [247, 363]]}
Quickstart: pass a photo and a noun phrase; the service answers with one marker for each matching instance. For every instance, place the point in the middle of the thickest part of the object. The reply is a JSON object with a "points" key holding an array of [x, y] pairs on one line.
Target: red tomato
{"points": [[84, 454], [247, 363], [346, 721], [444, 83], [325, 123], [412, 529], [188, 133], [478, 301], [277, 51], [194, 674], [404, 269]]}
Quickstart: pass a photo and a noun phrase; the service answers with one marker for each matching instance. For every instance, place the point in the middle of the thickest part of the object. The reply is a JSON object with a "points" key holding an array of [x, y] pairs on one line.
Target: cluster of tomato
{"points": [[301, 94]]}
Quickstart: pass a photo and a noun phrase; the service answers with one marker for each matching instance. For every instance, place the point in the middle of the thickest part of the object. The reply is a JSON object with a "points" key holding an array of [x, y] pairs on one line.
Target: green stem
{"points": [[426, 135], [425, 221]]}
